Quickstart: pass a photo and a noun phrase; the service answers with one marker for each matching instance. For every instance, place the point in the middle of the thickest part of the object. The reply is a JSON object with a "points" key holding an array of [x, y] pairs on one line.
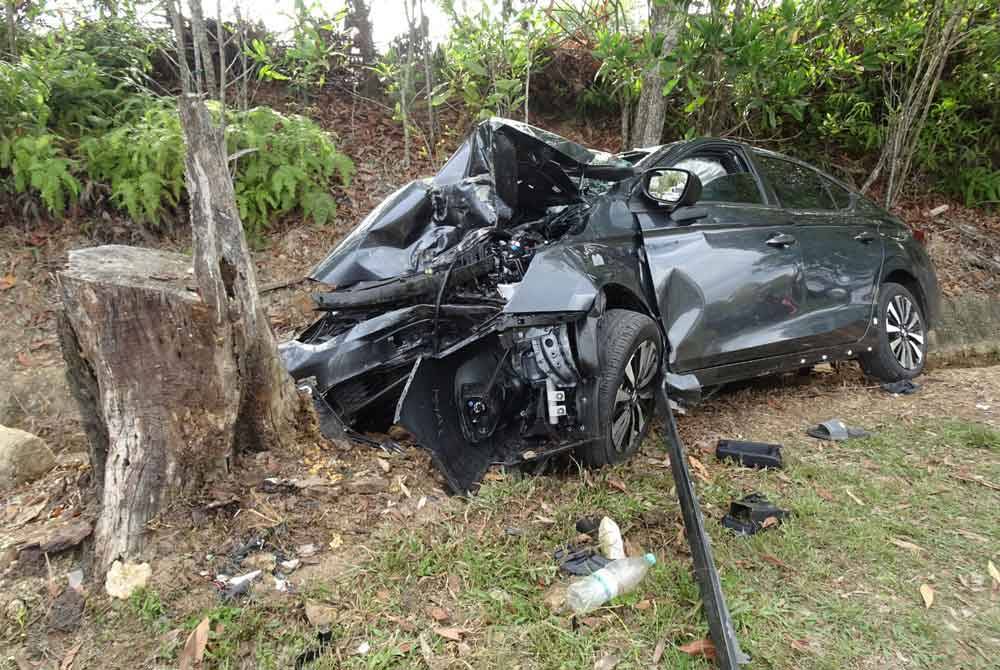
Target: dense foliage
{"points": [[80, 125], [85, 121], [811, 77]]}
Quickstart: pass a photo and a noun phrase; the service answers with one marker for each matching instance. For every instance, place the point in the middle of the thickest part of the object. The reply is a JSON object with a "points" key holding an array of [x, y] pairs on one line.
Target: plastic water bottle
{"points": [[611, 581]]}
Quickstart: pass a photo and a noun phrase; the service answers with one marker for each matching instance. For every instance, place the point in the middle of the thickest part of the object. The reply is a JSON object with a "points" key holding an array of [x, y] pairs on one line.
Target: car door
{"points": [[729, 284], [841, 248]]}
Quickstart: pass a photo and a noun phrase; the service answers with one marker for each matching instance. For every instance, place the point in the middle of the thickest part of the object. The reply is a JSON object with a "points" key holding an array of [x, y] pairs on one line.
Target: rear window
{"points": [[796, 186]]}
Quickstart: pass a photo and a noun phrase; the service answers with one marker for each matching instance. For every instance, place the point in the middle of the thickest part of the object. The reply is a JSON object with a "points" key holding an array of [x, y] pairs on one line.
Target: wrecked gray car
{"points": [[519, 303]]}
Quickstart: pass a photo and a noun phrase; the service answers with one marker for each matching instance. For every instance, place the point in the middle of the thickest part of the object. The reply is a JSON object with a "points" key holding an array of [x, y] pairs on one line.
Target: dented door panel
{"points": [[724, 294]]}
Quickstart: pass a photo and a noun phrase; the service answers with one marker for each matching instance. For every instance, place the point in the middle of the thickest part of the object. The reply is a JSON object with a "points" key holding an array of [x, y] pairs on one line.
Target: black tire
{"points": [[621, 336], [902, 337]]}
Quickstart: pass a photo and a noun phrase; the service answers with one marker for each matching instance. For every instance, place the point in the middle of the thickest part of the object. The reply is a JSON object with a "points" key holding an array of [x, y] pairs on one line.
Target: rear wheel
{"points": [[626, 395], [902, 337]]}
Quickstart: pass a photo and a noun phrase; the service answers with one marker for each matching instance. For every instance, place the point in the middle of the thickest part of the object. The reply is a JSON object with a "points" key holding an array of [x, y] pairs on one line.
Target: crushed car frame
{"points": [[522, 302]]}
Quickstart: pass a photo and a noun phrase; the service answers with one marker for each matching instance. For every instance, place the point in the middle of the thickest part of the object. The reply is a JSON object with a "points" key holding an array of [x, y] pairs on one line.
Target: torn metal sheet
{"points": [[465, 306]]}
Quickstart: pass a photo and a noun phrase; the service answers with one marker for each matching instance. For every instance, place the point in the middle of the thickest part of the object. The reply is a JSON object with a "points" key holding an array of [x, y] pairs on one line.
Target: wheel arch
{"points": [[909, 281], [618, 296]]}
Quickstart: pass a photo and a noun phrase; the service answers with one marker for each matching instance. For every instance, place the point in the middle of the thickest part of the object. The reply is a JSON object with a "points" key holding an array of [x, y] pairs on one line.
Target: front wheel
{"points": [[902, 336], [626, 392]]}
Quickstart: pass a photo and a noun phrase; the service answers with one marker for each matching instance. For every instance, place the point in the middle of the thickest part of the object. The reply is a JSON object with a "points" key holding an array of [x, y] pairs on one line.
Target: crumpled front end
{"points": [[420, 328]]}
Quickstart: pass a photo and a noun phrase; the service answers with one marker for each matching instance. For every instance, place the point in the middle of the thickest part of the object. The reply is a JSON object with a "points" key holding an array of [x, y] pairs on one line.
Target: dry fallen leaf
{"points": [[643, 605], [699, 648], [452, 633], [439, 614], [425, 650], [777, 562], [617, 484], [928, 594], [194, 649], [770, 521], [70, 656], [661, 647], [903, 544], [994, 573], [7, 281], [803, 644], [700, 471], [606, 662]]}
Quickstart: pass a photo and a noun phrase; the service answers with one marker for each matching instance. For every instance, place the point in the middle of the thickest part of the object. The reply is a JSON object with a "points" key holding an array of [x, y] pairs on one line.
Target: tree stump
{"points": [[153, 370]]}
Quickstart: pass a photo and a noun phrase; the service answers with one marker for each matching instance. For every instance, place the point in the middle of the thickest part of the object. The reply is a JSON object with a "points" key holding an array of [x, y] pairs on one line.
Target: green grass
{"points": [[827, 589]]}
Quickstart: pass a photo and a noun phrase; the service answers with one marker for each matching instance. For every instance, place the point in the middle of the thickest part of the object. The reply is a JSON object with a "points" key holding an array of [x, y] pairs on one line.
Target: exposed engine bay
{"points": [[421, 327]]}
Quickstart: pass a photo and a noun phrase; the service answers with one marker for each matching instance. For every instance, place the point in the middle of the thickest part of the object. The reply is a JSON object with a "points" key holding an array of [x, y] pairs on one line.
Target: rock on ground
{"points": [[23, 457], [124, 579]]}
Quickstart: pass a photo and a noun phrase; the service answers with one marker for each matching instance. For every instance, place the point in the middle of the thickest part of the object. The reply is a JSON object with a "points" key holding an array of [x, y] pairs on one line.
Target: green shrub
{"points": [[142, 159], [289, 164], [37, 163]]}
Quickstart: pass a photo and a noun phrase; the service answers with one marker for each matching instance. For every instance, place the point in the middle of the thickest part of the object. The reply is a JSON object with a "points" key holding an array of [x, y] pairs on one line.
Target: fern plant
{"points": [[142, 160], [289, 164], [37, 164]]}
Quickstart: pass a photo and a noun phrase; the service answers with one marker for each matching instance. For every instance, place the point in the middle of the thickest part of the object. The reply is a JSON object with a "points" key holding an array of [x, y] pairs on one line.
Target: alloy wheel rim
{"points": [[905, 332], [635, 397]]}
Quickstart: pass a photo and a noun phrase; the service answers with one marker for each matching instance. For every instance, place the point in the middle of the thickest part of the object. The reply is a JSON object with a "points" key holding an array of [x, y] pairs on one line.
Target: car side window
{"points": [[796, 186], [723, 177], [841, 196]]}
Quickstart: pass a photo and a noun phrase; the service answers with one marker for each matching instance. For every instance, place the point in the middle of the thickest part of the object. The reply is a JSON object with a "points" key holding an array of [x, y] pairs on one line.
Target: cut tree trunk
{"points": [[158, 393], [172, 360], [227, 283]]}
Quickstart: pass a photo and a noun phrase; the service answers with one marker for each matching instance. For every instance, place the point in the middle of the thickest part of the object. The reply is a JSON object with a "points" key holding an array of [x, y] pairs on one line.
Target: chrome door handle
{"points": [[781, 240], [865, 237]]}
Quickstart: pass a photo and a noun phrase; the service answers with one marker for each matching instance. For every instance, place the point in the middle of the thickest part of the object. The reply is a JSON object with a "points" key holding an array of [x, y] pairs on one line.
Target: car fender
{"points": [[902, 255], [570, 276]]}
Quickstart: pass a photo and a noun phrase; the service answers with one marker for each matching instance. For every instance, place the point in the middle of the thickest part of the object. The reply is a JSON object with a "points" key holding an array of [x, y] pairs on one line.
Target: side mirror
{"points": [[671, 187]]}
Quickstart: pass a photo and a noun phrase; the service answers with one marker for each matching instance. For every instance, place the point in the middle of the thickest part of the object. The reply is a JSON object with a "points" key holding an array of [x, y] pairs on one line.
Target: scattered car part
{"points": [[324, 643], [236, 587], [750, 454], [579, 559], [750, 514], [835, 430], [588, 525], [720, 623], [902, 387]]}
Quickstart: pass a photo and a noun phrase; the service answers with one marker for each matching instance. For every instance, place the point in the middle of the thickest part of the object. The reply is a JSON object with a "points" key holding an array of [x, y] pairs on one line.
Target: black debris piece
{"points": [[582, 560], [902, 387], [588, 525], [750, 454], [324, 640], [836, 430], [749, 514]]}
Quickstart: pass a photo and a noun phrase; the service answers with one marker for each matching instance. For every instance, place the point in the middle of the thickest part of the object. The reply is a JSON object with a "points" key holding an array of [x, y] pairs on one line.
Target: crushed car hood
{"points": [[503, 167]]}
